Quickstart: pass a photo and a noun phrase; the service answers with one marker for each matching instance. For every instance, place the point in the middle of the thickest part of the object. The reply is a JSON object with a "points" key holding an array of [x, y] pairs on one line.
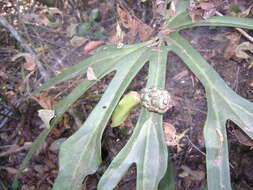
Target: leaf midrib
{"points": [[82, 153]]}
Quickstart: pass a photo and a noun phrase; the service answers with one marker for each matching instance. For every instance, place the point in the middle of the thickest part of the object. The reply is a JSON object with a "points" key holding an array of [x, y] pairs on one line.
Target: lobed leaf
{"points": [[80, 155], [146, 146], [108, 56], [60, 109], [223, 104], [67, 101]]}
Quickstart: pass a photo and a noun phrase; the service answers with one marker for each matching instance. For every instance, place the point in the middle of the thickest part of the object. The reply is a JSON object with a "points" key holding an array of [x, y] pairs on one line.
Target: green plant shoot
{"points": [[123, 109], [80, 155]]}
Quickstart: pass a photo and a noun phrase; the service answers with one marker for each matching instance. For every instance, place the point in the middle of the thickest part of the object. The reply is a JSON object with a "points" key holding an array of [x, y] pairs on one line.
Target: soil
{"points": [[23, 125]]}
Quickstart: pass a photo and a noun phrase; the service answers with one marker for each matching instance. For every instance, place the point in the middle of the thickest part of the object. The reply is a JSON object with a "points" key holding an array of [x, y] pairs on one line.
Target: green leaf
{"points": [[223, 104], [67, 101], [146, 146], [106, 58], [168, 182], [80, 155], [60, 109], [183, 21]]}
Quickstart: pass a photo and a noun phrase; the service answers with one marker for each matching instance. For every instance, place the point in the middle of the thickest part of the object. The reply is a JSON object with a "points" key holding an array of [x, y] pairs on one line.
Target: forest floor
{"points": [[65, 43]]}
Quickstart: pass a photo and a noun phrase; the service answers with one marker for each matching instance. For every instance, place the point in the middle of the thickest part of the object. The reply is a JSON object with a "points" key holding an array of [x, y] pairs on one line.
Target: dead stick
{"points": [[25, 147]]}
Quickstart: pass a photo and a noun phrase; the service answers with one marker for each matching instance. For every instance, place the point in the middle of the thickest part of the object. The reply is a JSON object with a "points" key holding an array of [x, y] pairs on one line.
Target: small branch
{"points": [[25, 147], [197, 148], [22, 42], [243, 32]]}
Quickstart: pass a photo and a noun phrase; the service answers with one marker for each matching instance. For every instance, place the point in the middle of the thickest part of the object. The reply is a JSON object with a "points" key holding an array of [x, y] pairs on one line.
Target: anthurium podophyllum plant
{"points": [[80, 154]]}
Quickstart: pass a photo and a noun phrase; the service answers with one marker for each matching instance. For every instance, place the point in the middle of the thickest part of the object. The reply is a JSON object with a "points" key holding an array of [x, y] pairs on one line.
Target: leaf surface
{"points": [[106, 58], [223, 105], [183, 21], [66, 102], [146, 146], [80, 155]]}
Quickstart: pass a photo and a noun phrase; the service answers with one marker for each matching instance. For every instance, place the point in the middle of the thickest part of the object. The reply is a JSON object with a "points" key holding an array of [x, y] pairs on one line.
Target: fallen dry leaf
{"points": [[193, 174], [242, 137], [234, 40], [172, 11], [44, 100], [171, 136], [53, 10], [246, 12], [29, 60], [119, 37], [206, 6], [77, 41], [46, 116], [124, 17], [92, 45], [241, 49], [194, 12], [10, 170], [136, 28], [209, 13], [127, 22], [160, 7], [71, 29], [199, 10], [145, 31], [66, 122], [91, 74], [195, 15], [41, 19]]}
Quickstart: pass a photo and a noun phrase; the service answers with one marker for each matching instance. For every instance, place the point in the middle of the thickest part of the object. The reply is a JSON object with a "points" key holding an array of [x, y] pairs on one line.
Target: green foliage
{"points": [[80, 155], [223, 105], [146, 147]]}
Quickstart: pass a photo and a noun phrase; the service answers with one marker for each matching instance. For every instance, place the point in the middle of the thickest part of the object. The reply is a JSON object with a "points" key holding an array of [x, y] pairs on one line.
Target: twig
{"points": [[26, 146], [197, 148], [22, 42], [243, 32], [7, 146], [3, 122]]}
